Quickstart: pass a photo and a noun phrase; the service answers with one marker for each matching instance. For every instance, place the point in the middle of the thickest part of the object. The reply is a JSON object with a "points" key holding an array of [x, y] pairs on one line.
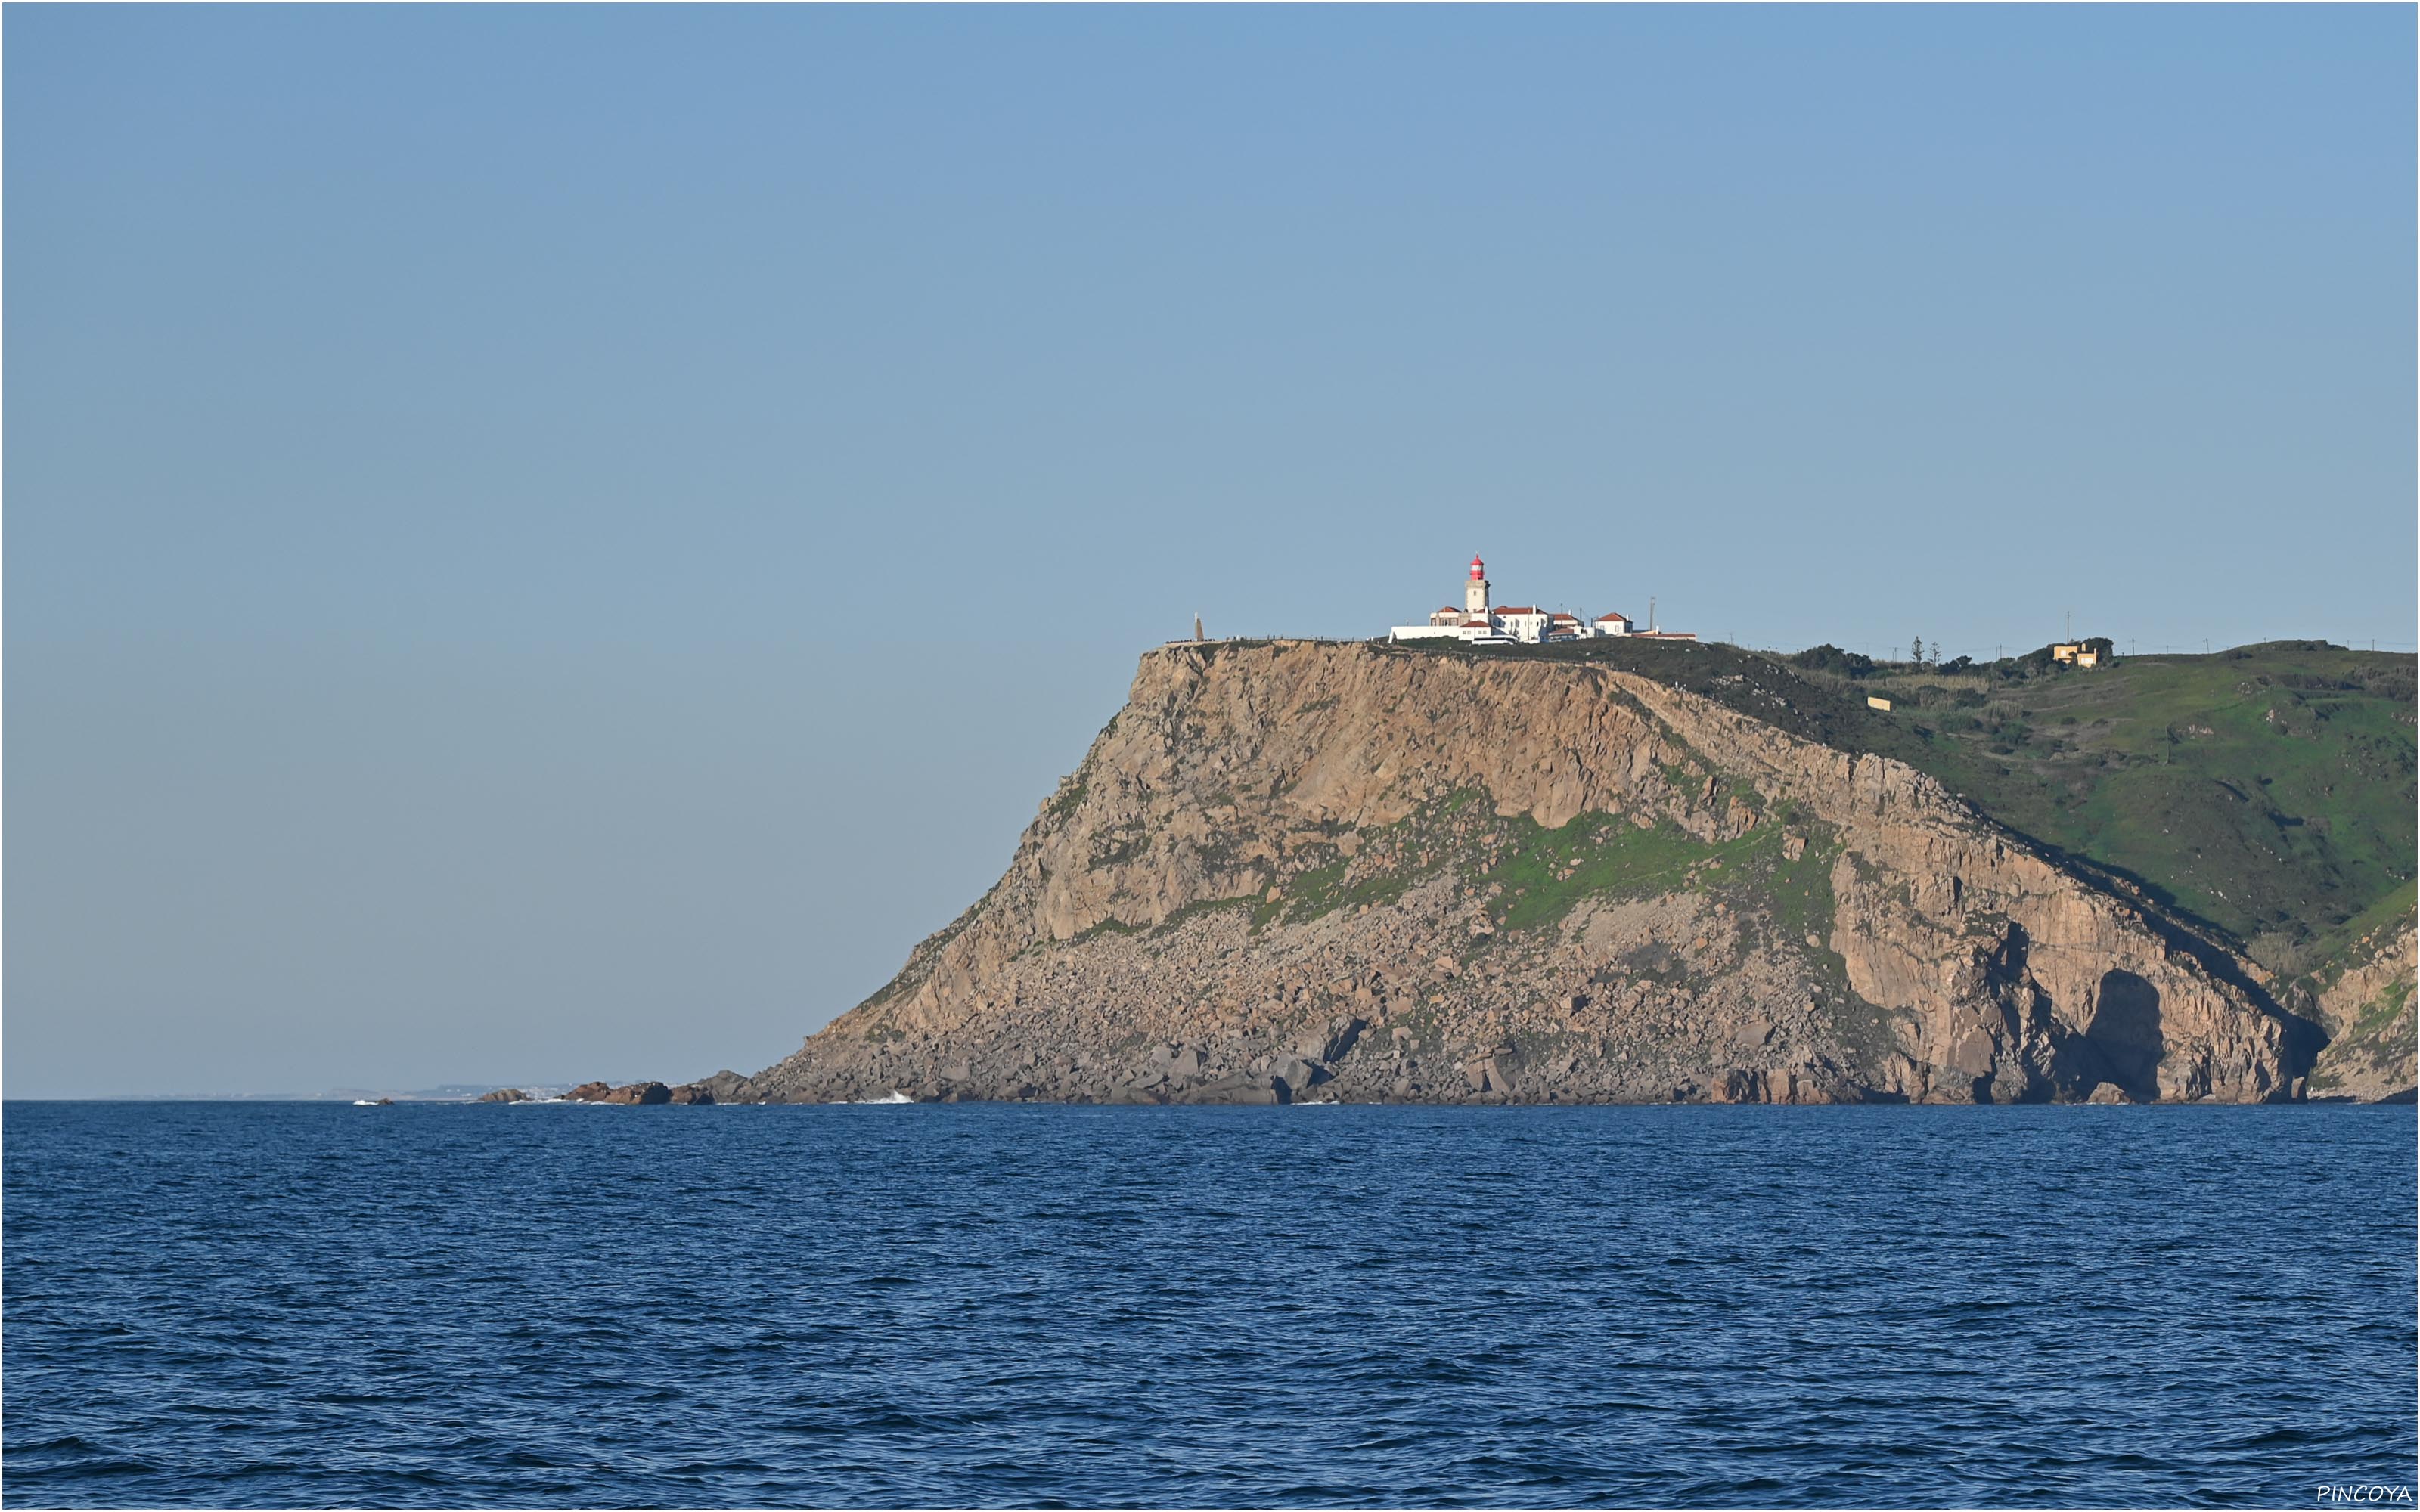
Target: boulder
{"points": [[639, 1094], [1499, 1070], [730, 1087], [1240, 1087], [695, 1094], [1737, 1087], [1298, 1075], [506, 1094], [590, 1092], [1331, 1041]]}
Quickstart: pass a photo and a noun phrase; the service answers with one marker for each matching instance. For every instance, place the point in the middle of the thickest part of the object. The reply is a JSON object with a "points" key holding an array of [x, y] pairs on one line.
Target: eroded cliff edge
{"points": [[1318, 869]]}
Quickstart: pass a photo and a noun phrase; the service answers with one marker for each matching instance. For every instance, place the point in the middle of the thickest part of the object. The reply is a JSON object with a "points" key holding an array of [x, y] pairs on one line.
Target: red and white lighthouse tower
{"points": [[1474, 594]]}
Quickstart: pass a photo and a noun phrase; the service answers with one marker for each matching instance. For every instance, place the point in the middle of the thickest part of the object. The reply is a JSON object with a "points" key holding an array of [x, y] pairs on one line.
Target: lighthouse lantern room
{"points": [[1474, 594]]}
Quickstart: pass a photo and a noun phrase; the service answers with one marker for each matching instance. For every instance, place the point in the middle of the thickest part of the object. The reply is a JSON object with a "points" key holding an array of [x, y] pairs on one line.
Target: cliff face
{"points": [[1297, 869], [2367, 1010]]}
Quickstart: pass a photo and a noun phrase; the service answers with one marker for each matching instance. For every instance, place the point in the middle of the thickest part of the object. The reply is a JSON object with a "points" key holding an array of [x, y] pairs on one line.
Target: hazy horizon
{"points": [[557, 544]]}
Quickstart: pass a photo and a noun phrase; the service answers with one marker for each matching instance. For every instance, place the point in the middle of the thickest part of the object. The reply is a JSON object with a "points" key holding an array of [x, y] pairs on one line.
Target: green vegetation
{"points": [[1070, 797], [1535, 876], [1549, 871], [2265, 794]]}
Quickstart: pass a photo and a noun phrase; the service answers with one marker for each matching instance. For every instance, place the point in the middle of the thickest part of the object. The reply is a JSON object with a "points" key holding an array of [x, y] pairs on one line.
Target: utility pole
{"points": [[1651, 614], [2070, 626]]}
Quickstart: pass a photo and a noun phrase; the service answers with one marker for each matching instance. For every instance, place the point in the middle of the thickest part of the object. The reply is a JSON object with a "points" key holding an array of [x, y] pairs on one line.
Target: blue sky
{"points": [[557, 541]]}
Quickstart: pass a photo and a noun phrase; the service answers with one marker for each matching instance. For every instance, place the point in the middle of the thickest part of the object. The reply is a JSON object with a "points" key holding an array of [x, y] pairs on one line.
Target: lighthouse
{"points": [[1474, 594]]}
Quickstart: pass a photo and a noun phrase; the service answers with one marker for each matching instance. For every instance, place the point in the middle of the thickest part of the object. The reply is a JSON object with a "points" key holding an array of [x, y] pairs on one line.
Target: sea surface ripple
{"points": [[282, 1304]]}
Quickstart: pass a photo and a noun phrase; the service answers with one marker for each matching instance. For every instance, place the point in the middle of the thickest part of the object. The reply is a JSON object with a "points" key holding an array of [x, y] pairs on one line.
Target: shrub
{"points": [[1828, 657]]}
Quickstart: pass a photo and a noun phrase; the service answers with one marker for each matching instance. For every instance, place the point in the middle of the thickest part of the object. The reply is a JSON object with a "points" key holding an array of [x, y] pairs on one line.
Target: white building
{"points": [[1478, 623], [1474, 621], [1524, 624]]}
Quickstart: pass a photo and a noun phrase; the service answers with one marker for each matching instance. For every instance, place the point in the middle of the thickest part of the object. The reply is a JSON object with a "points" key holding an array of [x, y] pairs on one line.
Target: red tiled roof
{"points": [[1623, 618], [1515, 609]]}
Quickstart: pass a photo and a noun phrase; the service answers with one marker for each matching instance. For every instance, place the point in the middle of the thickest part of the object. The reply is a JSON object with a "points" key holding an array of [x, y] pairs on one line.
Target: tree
{"points": [[1915, 653], [1831, 658], [1934, 655]]}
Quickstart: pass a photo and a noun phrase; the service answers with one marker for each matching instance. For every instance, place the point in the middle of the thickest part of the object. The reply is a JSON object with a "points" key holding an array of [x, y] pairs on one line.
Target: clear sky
{"points": [[555, 542]]}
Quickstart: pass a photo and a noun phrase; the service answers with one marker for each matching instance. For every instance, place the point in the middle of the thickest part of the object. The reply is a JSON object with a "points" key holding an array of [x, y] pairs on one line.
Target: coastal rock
{"points": [[730, 1087], [505, 1094], [1579, 881], [1240, 1087], [590, 1092], [2367, 1010], [639, 1094], [1332, 1040], [1299, 1075]]}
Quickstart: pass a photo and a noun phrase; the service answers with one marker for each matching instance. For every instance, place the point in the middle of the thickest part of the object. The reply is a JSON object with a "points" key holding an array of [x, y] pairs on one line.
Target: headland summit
{"points": [[1606, 867]]}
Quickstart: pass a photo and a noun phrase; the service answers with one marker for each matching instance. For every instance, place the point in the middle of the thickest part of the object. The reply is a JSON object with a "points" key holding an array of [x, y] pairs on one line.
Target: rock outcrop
{"points": [[2369, 1013], [638, 1094], [505, 1094], [722, 1086], [1309, 871]]}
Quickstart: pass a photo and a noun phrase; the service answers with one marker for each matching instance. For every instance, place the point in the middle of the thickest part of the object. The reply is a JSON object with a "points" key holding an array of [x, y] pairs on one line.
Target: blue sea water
{"points": [[271, 1304]]}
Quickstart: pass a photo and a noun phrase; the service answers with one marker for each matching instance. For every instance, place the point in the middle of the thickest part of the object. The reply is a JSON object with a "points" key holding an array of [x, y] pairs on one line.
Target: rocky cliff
{"points": [[1302, 871], [2367, 1011]]}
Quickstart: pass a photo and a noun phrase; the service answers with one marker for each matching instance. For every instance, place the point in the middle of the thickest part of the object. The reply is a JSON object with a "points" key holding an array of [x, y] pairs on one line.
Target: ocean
{"points": [[271, 1304]]}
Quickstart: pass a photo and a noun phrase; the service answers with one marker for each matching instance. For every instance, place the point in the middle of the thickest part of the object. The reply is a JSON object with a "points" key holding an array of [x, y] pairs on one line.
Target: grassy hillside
{"points": [[2267, 790], [2266, 793]]}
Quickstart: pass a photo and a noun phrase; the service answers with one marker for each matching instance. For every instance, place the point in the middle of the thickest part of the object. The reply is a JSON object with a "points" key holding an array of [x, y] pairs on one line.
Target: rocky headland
{"points": [[1292, 871]]}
